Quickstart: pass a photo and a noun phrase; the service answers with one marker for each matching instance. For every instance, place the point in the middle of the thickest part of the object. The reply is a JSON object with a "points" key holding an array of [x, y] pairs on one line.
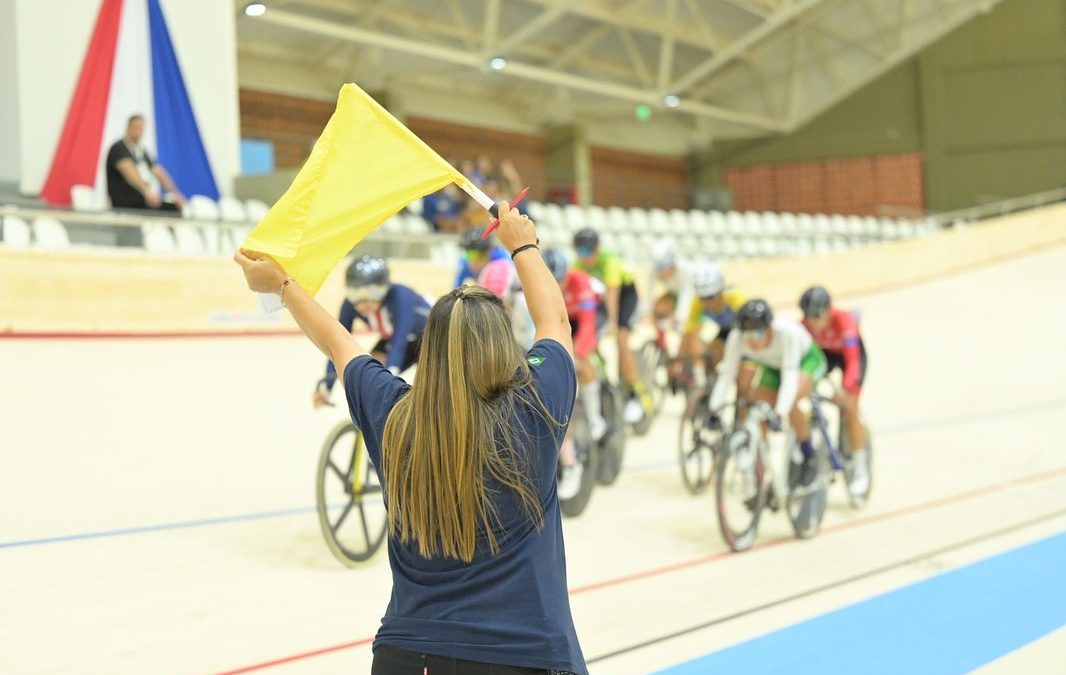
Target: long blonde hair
{"points": [[456, 427]]}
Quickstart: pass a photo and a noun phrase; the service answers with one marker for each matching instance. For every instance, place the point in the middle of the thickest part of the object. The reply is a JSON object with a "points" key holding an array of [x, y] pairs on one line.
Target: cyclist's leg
{"points": [[380, 351]]}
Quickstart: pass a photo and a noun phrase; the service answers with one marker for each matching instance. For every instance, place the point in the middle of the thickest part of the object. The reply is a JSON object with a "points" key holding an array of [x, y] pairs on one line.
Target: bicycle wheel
{"points": [[856, 499], [346, 482], [740, 494], [806, 505], [651, 365], [698, 444], [587, 458], [613, 444]]}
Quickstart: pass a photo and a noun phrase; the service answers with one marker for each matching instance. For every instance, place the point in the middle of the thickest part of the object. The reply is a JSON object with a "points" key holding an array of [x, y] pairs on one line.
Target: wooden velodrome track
{"points": [[157, 494]]}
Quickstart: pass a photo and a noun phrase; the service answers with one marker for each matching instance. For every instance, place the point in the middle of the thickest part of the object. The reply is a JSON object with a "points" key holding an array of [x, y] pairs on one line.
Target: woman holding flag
{"points": [[468, 458]]}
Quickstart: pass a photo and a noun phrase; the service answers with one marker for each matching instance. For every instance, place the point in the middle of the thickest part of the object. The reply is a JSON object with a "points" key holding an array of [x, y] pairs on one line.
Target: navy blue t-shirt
{"points": [[512, 608]]}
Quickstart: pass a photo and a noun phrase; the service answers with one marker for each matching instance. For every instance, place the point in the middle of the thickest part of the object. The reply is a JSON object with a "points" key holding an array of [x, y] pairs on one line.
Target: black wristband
{"points": [[523, 248]]}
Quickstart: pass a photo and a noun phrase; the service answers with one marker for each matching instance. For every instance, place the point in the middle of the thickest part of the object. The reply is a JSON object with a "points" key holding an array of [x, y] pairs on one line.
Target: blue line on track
{"points": [[639, 468], [951, 623]]}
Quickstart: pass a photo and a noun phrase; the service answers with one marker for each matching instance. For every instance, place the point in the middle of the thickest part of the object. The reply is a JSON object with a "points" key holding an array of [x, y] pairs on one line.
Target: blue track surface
{"points": [[952, 623]]}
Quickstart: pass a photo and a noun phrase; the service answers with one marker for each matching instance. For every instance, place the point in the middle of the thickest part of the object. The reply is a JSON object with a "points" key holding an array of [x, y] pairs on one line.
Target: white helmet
{"points": [[663, 254], [707, 280]]}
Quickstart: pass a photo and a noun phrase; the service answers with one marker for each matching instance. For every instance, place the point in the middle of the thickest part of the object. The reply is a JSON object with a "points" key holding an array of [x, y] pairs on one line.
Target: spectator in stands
{"points": [[134, 179], [445, 209]]}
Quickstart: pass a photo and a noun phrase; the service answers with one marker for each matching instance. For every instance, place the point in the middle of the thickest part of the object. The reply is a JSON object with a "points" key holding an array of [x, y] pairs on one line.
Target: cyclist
{"points": [[714, 301], [672, 279], [581, 307], [620, 300], [397, 313], [789, 364], [477, 253], [837, 332], [500, 277]]}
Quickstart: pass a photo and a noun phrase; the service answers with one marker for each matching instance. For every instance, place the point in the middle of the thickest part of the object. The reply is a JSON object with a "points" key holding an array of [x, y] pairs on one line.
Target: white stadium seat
{"points": [[679, 224], [415, 207], [839, 225], [617, 220], [574, 217], [749, 248], [769, 247], [907, 229], [157, 239], [395, 225], [730, 248], [889, 229], [200, 207], [536, 211], [823, 226], [49, 233], [84, 198], [699, 223], [870, 229], [771, 224], [597, 217], [16, 232], [734, 223], [804, 224], [415, 225], [753, 225], [789, 228], [717, 222], [231, 210], [189, 239], [659, 222], [553, 215], [256, 210], [236, 235], [639, 222]]}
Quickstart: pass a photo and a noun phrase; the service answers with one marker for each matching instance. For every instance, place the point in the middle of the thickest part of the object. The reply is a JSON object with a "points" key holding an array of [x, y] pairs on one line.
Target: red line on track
{"points": [[703, 560], [297, 657]]}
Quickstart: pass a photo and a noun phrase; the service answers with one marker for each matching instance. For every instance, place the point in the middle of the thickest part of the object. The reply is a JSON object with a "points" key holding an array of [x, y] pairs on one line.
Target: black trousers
{"points": [[392, 661]]}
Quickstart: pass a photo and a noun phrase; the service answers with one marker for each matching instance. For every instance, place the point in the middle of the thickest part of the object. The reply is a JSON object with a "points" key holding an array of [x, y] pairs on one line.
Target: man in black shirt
{"points": [[133, 179]]}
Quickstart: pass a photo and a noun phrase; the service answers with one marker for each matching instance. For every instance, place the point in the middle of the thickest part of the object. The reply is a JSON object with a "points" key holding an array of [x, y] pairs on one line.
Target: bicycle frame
{"points": [[836, 460]]}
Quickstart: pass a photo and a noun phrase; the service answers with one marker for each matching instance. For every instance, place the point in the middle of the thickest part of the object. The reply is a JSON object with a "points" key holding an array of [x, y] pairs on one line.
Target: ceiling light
{"points": [[671, 101], [255, 9], [498, 63]]}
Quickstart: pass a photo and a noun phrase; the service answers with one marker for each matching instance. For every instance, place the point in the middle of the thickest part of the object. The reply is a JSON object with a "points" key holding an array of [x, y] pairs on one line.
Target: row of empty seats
{"points": [[177, 239], [197, 207]]}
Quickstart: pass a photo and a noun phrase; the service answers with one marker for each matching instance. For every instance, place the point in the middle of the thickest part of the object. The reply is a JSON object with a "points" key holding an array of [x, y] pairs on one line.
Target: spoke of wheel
{"points": [[366, 530], [337, 471], [344, 514]]}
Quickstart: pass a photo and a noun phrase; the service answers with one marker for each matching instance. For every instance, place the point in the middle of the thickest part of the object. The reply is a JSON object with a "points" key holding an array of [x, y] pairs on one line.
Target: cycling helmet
{"points": [[754, 315], [556, 262], [586, 237], [367, 278], [499, 277], [472, 241], [663, 254], [707, 280], [815, 301]]}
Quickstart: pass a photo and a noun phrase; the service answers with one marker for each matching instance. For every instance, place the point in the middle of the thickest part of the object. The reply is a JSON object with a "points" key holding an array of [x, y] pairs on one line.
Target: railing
{"points": [[430, 245], [1000, 208]]}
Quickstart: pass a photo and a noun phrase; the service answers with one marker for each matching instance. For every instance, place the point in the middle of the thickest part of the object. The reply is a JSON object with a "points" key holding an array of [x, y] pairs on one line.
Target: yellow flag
{"points": [[365, 167]]}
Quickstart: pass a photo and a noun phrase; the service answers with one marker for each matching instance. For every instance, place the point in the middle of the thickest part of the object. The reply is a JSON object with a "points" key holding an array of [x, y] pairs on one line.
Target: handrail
{"points": [[1000, 208], [128, 219]]}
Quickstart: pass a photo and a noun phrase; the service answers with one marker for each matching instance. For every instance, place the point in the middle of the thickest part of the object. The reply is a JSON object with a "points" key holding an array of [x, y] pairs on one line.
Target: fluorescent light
{"points": [[255, 9], [498, 63], [671, 101]]}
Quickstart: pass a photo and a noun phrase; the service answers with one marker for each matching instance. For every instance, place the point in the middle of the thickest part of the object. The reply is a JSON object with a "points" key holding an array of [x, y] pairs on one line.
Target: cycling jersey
{"points": [[608, 269], [724, 319], [788, 348], [841, 339], [466, 272], [400, 320], [581, 304], [679, 286]]}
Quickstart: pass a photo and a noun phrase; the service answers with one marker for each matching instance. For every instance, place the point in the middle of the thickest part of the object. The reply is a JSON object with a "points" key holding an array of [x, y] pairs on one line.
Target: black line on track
{"points": [[830, 586]]}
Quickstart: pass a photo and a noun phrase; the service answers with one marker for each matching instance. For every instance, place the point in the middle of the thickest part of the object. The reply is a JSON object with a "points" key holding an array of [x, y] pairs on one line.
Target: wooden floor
{"points": [[156, 499]]}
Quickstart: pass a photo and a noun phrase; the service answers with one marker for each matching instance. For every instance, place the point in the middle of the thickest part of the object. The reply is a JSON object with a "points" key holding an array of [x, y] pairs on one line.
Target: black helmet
{"points": [[815, 301], [367, 270], [556, 262], [754, 315], [472, 241], [586, 237]]}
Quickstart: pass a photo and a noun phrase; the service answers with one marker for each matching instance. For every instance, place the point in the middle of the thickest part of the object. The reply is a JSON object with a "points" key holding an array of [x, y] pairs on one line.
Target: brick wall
{"points": [[852, 185], [632, 179], [457, 142], [292, 124]]}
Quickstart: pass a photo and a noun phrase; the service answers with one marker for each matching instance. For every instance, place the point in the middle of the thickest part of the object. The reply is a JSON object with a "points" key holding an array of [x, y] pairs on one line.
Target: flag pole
{"points": [[486, 202]]}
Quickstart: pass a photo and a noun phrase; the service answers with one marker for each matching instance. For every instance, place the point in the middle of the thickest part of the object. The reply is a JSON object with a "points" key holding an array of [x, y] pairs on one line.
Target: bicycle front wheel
{"points": [[612, 446], [587, 465], [351, 513], [740, 494], [698, 444]]}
